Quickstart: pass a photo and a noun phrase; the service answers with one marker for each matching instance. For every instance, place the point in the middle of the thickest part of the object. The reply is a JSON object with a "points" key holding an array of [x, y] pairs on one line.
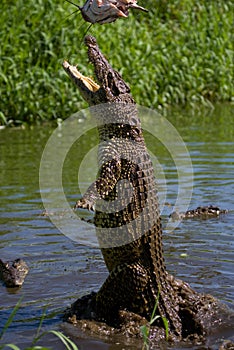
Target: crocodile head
{"points": [[13, 274], [110, 98], [110, 88]]}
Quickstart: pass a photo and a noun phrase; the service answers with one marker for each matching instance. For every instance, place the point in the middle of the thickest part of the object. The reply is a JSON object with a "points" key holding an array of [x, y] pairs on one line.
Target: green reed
{"points": [[68, 344], [145, 329]]}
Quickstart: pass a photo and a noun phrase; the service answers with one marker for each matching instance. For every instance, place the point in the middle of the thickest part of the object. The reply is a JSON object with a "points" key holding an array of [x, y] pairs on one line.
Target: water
{"points": [[61, 270]]}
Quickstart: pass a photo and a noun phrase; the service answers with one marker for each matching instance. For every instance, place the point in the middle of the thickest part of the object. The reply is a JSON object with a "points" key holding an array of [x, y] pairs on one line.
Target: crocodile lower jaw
{"points": [[78, 77]]}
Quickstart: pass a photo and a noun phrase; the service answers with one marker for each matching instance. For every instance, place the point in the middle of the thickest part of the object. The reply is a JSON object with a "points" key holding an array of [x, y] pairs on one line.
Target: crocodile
{"points": [[127, 219], [202, 212], [13, 273]]}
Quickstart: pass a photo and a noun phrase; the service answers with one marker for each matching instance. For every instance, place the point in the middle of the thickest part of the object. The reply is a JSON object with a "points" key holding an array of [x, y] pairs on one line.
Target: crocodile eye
{"points": [[124, 86]]}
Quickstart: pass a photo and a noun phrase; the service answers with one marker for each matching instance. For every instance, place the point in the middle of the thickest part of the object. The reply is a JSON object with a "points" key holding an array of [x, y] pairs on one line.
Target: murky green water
{"points": [[61, 270]]}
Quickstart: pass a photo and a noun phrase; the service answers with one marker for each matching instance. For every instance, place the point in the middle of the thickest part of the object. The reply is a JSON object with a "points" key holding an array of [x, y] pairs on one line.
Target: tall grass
{"points": [[180, 52]]}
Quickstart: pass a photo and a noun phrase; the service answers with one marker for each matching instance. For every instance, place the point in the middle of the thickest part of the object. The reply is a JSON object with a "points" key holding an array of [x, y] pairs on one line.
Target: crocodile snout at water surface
{"points": [[13, 273], [201, 212], [130, 237]]}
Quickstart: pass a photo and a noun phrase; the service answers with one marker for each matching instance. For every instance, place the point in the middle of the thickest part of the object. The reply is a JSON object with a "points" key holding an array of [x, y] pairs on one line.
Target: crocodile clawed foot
{"points": [[83, 308], [84, 204]]}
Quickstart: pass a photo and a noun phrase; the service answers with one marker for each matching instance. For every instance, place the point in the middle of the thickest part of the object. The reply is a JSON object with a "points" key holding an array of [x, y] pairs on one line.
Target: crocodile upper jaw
{"points": [[111, 83]]}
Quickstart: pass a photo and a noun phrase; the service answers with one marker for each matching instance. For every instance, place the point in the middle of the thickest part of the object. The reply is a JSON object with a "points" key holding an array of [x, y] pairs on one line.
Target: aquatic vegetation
{"points": [[10, 318], [145, 329], [68, 344], [180, 52]]}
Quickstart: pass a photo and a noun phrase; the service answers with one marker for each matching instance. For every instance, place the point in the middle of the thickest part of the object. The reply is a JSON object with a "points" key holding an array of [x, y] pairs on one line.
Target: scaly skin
{"points": [[204, 212], [129, 231], [13, 274]]}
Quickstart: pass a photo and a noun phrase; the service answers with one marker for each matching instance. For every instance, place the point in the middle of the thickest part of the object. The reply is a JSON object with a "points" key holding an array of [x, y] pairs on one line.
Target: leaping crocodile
{"points": [[130, 233]]}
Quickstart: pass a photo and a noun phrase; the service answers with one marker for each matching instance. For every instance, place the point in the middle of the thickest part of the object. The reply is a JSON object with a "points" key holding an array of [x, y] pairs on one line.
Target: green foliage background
{"points": [[180, 52]]}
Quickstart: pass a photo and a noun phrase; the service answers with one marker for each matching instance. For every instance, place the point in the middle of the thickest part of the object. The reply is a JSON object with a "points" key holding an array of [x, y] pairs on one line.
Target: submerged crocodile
{"points": [[127, 219], [202, 212], [13, 273]]}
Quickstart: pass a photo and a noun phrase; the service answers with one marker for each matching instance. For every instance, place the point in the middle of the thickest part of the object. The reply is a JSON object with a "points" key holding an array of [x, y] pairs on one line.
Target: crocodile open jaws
{"points": [[126, 216]]}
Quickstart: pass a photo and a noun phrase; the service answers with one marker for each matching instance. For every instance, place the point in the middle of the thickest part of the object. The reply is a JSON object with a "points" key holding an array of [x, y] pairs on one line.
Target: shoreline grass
{"points": [[181, 52]]}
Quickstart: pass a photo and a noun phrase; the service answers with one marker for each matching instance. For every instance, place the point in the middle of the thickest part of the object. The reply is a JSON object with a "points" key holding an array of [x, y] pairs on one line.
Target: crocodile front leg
{"points": [[103, 186]]}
